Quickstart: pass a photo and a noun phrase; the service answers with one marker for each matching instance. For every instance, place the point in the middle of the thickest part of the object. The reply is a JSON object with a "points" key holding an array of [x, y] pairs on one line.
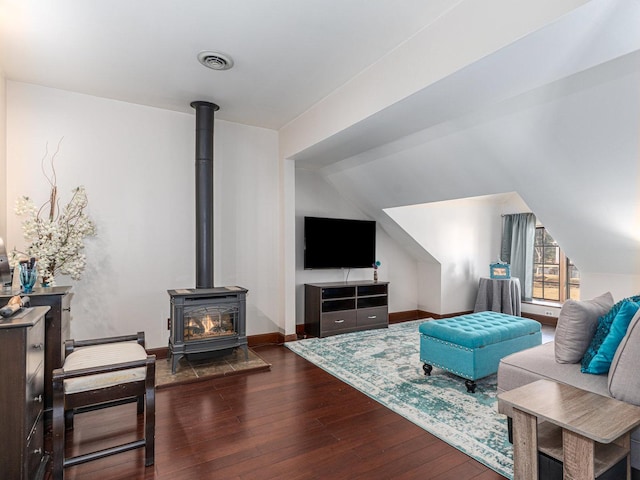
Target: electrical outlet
{"points": [[549, 313]]}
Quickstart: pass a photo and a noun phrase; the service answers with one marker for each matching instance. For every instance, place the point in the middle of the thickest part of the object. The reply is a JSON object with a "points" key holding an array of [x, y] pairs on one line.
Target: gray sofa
{"points": [[550, 361]]}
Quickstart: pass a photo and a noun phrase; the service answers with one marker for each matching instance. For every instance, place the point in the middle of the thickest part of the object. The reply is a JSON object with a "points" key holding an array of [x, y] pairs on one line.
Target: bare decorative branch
{"points": [[57, 239]]}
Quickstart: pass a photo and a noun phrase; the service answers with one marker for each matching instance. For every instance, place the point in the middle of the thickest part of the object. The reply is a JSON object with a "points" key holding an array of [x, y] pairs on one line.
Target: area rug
{"points": [[385, 365]]}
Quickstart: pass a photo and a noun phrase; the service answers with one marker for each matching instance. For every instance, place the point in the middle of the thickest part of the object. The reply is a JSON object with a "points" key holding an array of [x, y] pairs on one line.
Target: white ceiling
{"points": [[576, 48], [293, 54], [288, 54]]}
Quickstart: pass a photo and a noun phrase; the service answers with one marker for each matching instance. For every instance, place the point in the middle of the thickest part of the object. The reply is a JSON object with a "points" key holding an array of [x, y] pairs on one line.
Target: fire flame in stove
{"points": [[208, 325]]}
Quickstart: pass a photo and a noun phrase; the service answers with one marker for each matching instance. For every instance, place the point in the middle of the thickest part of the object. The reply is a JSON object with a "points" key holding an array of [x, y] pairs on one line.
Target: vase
{"points": [[375, 275], [28, 276]]}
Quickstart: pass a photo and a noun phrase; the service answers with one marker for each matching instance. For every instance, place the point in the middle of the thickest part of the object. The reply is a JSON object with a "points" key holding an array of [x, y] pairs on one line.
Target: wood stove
{"points": [[205, 320]]}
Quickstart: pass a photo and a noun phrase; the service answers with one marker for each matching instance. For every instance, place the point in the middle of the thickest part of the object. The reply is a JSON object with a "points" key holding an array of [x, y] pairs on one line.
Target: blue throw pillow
{"points": [[601, 362], [602, 330]]}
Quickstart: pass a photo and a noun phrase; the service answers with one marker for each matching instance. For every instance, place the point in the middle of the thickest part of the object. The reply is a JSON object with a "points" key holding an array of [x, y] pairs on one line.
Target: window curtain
{"points": [[518, 237]]}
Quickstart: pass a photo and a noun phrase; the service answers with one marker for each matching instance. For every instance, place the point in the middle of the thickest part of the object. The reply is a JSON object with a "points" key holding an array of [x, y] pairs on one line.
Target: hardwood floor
{"points": [[293, 422]]}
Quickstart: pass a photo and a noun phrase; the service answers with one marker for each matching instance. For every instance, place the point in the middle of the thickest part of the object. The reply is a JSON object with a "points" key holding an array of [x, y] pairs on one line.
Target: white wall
{"points": [[430, 287], [564, 135], [3, 158], [137, 164], [247, 220], [464, 236], [316, 197], [570, 150]]}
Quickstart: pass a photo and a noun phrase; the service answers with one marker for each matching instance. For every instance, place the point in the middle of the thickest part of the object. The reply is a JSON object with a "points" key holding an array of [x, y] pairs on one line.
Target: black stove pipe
{"points": [[204, 192]]}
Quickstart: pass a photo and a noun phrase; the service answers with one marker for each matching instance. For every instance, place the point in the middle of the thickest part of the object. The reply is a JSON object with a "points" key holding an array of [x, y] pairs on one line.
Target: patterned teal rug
{"points": [[385, 365]]}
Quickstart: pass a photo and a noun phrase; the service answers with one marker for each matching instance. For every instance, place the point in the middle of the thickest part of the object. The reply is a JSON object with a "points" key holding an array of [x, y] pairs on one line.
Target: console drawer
{"points": [[372, 317], [333, 321]]}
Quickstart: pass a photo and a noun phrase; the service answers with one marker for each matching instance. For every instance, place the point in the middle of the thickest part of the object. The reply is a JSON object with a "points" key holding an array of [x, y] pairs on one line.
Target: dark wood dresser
{"points": [[21, 395], [56, 329]]}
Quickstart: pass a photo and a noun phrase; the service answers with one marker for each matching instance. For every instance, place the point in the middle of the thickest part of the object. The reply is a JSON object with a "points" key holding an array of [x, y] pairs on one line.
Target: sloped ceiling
{"points": [[552, 115], [573, 159], [565, 138], [582, 39]]}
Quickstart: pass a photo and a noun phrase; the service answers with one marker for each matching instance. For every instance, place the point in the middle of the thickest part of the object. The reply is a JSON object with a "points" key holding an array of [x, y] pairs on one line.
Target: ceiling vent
{"points": [[215, 60]]}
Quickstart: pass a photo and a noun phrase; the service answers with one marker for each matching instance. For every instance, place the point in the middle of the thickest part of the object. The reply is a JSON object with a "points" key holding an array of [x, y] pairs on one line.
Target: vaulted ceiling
{"points": [[553, 116], [427, 100]]}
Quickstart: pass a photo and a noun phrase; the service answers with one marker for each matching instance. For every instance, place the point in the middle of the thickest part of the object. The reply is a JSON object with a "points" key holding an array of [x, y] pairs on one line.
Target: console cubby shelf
{"points": [[341, 307]]}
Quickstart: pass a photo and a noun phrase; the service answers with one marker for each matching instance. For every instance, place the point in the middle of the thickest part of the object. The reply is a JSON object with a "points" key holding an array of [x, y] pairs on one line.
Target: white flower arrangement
{"points": [[57, 239]]}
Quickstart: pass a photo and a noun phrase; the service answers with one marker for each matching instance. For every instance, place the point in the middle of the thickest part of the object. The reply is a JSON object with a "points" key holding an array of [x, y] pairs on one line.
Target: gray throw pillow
{"points": [[624, 381], [576, 326]]}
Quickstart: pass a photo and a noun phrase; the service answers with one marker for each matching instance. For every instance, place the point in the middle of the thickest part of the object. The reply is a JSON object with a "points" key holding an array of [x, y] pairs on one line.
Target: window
{"points": [[555, 277]]}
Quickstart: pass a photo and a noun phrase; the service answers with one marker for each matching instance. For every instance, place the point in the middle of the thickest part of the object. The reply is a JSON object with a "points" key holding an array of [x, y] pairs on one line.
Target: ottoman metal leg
{"points": [[427, 369], [471, 386]]}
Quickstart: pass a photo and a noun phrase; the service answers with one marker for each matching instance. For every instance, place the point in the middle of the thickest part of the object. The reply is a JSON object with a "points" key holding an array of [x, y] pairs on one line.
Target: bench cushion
{"points": [[99, 356], [479, 329]]}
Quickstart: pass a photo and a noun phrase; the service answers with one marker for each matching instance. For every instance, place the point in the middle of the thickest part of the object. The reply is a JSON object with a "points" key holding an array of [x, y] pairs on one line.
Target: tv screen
{"points": [[339, 243]]}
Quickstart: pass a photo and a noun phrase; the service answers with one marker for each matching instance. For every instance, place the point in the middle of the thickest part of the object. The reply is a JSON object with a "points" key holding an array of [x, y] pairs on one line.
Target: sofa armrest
{"points": [[623, 379]]}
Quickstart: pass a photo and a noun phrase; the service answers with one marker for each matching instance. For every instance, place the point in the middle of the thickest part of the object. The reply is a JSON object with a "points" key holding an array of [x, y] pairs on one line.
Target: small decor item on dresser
{"points": [[375, 270], [14, 305], [28, 274], [500, 270]]}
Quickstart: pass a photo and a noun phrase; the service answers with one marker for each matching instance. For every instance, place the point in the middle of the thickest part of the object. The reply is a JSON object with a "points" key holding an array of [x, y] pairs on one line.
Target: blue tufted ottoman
{"points": [[471, 346]]}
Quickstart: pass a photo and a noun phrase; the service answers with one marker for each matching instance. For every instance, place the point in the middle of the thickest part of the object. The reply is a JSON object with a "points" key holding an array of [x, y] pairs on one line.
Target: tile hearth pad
{"points": [[217, 364]]}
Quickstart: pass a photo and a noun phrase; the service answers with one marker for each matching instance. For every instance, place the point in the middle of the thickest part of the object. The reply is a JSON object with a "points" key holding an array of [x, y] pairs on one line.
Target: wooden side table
{"points": [[595, 430]]}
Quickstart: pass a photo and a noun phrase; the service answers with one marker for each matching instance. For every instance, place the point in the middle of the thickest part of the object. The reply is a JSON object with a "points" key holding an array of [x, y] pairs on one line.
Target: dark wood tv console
{"points": [[341, 307]]}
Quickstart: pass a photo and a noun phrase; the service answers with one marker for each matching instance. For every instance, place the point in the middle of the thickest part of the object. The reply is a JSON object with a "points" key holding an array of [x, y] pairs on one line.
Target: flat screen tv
{"points": [[339, 243]]}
